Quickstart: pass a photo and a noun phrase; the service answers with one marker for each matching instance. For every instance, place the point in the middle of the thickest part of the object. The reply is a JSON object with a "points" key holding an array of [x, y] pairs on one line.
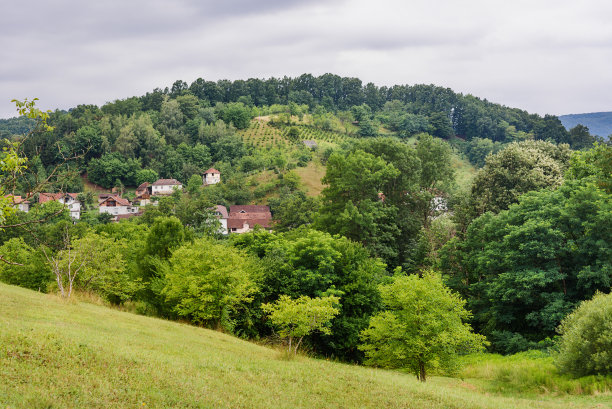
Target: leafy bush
{"points": [[586, 342]]}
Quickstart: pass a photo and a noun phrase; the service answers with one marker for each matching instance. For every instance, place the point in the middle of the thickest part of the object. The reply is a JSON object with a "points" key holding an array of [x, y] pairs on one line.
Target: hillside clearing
{"points": [[68, 354]]}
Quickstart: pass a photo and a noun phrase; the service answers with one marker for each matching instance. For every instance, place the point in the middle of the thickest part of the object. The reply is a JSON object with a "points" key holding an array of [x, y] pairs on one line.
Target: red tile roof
{"points": [[250, 214], [212, 170], [46, 197]]}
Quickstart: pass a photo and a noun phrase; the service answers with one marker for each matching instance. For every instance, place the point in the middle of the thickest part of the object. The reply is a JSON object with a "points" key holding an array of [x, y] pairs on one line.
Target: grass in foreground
{"points": [[58, 354], [532, 373]]}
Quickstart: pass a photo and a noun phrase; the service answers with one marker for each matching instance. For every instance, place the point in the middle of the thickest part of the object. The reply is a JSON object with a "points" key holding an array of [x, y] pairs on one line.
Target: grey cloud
{"points": [[548, 56]]}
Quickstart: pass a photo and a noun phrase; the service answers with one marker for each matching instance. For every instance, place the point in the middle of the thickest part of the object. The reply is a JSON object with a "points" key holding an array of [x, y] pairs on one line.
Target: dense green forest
{"points": [[523, 244]]}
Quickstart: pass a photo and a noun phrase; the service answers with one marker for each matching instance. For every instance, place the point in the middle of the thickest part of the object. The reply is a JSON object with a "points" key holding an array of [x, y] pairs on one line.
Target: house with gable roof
{"points": [[211, 177], [67, 199], [165, 187], [117, 206], [244, 218]]}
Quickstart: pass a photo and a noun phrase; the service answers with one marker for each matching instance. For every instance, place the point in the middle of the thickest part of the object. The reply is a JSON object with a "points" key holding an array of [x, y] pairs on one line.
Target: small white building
{"points": [[211, 176], [117, 206], [165, 187], [67, 199], [221, 214]]}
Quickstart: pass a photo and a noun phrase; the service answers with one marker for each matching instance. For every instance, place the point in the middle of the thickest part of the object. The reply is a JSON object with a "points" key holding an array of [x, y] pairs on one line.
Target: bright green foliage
{"points": [[478, 149], [112, 167], [26, 267], [436, 165], [194, 184], [292, 210], [595, 164], [526, 268], [95, 262], [351, 203], [146, 175], [316, 264], [209, 283], [517, 169], [586, 338], [237, 114], [423, 327], [299, 317]]}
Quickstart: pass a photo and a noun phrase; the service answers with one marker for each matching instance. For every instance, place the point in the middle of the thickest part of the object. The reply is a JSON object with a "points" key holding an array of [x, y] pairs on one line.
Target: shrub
{"points": [[586, 338]]}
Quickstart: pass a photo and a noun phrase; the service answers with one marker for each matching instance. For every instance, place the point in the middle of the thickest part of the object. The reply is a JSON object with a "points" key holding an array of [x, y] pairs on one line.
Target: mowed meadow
{"points": [[75, 354]]}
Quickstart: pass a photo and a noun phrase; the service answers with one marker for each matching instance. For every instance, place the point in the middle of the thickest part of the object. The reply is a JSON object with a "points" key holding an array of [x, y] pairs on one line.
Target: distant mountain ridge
{"points": [[599, 123]]}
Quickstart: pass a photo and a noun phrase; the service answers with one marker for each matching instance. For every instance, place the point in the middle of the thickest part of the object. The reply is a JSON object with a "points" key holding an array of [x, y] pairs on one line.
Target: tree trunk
{"points": [[298, 344], [421, 376]]}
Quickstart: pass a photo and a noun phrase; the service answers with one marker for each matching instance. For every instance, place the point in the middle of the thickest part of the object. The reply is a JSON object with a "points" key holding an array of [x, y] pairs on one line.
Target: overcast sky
{"points": [[539, 55]]}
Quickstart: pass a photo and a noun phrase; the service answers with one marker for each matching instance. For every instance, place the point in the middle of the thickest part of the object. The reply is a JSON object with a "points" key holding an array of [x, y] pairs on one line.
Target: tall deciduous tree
{"points": [[209, 282], [422, 328]]}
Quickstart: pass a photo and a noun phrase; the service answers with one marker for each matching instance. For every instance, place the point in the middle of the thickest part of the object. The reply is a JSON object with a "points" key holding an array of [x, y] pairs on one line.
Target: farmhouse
{"points": [[67, 199], [243, 218], [117, 206], [211, 176], [164, 187]]}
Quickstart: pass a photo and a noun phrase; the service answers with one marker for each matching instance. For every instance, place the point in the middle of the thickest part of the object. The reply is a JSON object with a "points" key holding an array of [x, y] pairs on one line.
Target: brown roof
{"points": [[143, 186], [166, 182], [221, 210], [17, 199], [250, 214], [212, 170], [119, 200], [46, 197]]}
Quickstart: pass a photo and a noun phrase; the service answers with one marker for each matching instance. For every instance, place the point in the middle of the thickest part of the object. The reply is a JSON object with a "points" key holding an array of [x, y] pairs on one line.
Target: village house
{"points": [[165, 187], [117, 206], [244, 218], [67, 199], [211, 176], [143, 194], [20, 203], [221, 214]]}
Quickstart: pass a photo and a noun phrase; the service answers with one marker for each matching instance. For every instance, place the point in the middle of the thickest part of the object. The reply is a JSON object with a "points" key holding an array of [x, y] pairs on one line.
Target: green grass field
{"points": [[69, 354]]}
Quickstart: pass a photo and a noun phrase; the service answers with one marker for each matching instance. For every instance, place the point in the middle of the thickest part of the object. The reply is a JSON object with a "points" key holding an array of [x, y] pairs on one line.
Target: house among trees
{"points": [[67, 199], [244, 218], [221, 214], [20, 203], [143, 194], [211, 176], [165, 187], [117, 206]]}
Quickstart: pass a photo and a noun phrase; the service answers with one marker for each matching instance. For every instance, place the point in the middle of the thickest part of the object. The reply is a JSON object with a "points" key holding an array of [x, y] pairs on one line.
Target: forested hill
{"points": [[599, 123], [409, 109]]}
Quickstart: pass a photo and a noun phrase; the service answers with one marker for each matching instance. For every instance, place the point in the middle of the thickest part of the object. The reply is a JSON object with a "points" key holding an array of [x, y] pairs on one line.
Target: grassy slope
{"points": [[58, 354], [260, 134]]}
